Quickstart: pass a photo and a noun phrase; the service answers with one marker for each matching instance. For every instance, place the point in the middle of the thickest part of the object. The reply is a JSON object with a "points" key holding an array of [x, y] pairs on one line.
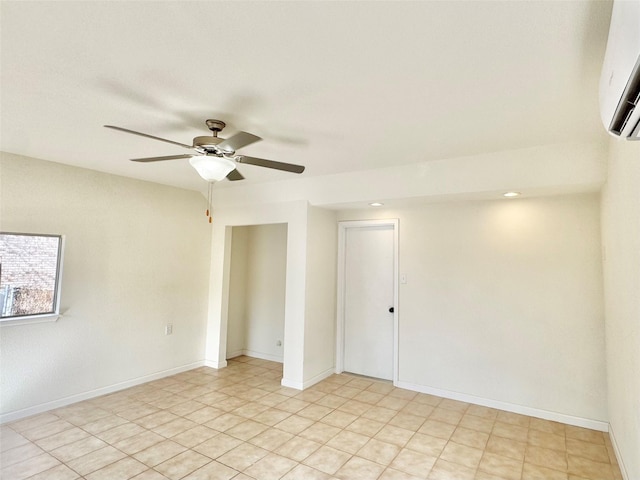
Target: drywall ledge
{"points": [[44, 407], [551, 170]]}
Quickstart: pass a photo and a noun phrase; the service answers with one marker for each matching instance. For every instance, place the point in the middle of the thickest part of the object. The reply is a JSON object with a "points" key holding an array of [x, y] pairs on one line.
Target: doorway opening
{"points": [[257, 292]]}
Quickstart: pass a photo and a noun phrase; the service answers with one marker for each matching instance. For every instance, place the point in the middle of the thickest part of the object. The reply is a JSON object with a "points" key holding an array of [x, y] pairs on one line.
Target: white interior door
{"points": [[368, 295]]}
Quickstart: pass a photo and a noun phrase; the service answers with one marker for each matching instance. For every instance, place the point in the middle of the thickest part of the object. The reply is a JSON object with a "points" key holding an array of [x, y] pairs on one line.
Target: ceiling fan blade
{"points": [[261, 162], [160, 159], [239, 140], [126, 130], [235, 175]]}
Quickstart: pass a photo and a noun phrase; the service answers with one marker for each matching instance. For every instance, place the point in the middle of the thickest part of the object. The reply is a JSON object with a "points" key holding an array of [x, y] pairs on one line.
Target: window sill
{"points": [[49, 317]]}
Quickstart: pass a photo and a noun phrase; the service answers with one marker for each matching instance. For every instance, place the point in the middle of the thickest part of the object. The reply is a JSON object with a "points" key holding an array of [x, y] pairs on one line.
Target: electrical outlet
{"points": [[168, 330]]}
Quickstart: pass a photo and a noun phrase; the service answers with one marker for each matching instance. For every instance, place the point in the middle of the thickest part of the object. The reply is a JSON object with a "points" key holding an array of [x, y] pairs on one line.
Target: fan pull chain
{"points": [[210, 200]]}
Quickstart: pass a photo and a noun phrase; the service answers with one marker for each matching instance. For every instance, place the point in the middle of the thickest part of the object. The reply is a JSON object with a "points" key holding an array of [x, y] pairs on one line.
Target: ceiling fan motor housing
{"points": [[209, 142]]}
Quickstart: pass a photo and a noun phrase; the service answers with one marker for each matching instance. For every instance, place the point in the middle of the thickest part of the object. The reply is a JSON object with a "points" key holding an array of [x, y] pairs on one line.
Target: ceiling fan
{"points": [[215, 158]]}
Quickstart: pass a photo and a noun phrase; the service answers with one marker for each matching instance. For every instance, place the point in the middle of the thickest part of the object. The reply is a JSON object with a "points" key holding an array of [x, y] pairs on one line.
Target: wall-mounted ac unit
{"points": [[620, 80]]}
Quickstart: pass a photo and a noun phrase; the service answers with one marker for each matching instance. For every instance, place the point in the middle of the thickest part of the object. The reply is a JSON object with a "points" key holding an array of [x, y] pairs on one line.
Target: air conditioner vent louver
{"points": [[619, 95], [626, 119]]}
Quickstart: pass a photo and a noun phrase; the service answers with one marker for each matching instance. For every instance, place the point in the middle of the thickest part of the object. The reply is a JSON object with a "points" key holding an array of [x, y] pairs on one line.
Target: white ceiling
{"points": [[335, 86]]}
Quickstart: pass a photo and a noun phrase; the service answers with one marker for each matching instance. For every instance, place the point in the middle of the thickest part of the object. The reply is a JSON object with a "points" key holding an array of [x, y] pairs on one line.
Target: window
{"points": [[30, 273]]}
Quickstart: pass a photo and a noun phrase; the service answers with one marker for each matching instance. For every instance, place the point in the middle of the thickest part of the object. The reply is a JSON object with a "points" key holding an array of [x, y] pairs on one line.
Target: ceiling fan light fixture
{"points": [[212, 169], [215, 157]]}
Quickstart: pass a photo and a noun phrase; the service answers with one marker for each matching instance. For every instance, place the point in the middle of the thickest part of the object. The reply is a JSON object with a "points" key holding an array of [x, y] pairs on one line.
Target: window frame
{"points": [[41, 317]]}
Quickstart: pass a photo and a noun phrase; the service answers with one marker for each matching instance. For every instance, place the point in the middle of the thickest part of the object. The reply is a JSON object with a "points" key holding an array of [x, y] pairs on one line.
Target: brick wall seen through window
{"points": [[29, 269]]}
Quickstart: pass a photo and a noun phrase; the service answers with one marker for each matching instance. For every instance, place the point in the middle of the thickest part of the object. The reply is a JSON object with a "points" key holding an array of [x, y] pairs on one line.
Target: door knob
{"points": [[391, 310]]}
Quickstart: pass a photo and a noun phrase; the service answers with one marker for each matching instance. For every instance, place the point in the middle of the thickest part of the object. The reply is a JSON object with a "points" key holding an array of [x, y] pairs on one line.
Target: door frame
{"points": [[342, 247]]}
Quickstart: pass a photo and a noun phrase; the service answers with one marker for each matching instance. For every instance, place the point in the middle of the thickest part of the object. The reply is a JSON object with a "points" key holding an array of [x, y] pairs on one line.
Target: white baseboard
{"points": [[215, 364], [290, 384], [235, 354], [263, 356], [63, 402], [253, 354], [318, 378], [616, 450], [308, 383], [248, 353], [509, 407]]}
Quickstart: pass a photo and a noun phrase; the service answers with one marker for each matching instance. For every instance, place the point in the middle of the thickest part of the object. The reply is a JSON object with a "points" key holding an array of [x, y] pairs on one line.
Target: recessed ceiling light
{"points": [[376, 204], [511, 194]]}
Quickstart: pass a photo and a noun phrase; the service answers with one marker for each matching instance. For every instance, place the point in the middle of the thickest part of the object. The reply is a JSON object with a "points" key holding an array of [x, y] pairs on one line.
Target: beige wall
{"points": [[320, 303], [621, 241], [136, 258], [503, 302]]}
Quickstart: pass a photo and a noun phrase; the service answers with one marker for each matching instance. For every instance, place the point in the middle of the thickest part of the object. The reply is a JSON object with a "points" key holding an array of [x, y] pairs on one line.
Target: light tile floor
{"points": [[239, 423]]}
